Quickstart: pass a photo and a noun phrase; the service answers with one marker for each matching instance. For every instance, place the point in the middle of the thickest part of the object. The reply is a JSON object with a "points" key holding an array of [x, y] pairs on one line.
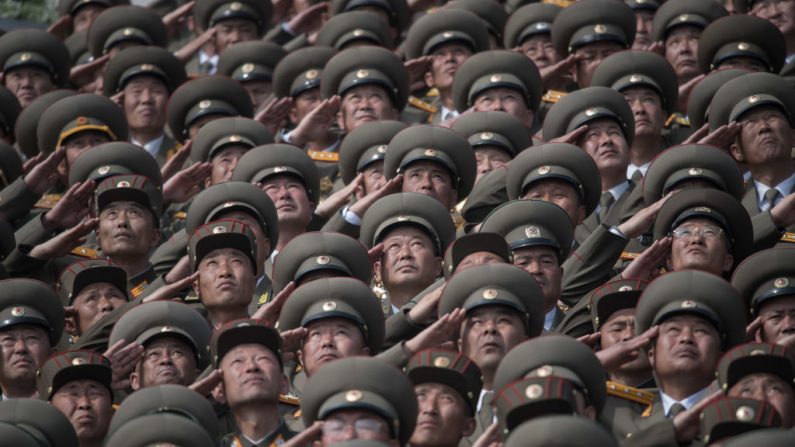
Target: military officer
{"points": [[84, 12], [25, 128], [93, 288], [644, 16], [702, 93], [162, 428], [772, 12], [37, 423], [251, 64], [396, 14], [353, 28], [115, 29], [34, 62], [735, 42], [494, 15], [732, 416]]}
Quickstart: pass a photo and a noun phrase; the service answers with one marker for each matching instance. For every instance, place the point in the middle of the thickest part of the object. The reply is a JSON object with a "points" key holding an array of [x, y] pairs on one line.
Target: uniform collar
{"points": [[687, 402]]}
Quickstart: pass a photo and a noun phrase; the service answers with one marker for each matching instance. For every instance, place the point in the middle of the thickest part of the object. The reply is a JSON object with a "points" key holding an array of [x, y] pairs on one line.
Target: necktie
{"points": [[486, 409], [637, 177], [604, 205], [676, 409], [770, 196]]}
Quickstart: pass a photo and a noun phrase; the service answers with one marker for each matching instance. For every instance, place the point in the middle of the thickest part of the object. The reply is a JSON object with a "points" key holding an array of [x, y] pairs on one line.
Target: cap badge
{"points": [[234, 138], [688, 304], [742, 46], [328, 306], [81, 121], [683, 17], [279, 169], [591, 112], [311, 74], [636, 78], [489, 294], [353, 396], [543, 170], [402, 218], [205, 104], [102, 170], [24, 57], [486, 136], [753, 98], [495, 78], [322, 260], [381, 149], [128, 31], [123, 184], [147, 67], [18, 311], [441, 362], [166, 329], [430, 152], [745, 413], [694, 171], [703, 209], [544, 371], [228, 204], [447, 34], [624, 288], [247, 68], [235, 6], [600, 29], [358, 32], [219, 229], [780, 283], [243, 324], [362, 74], [78, 361], [534, 391], [532, 231], [757, 352]]}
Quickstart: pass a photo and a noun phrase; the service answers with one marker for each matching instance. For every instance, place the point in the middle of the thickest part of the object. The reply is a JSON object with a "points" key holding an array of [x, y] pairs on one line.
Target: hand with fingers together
{"points": [[340, 198], [648, 264], [274, 114], [72, 207], [309, 20], [417, 68], [185, 53], [186, 183], [626, 351], [316, 123], [572, 137], [65, 242], [291, 342], [44, 174], [205, 385], [270, 311], [443, 330], [176, 162], [170, 291], [393, 185], [123, 356]]}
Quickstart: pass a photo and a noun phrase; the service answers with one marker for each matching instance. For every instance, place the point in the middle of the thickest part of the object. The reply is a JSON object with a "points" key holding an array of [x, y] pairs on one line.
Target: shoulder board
{"points": [[629, 393], [553, 96], [116, 406], [324, 156], [289, 399], [789, 236], [422, 105], [434, 92], [561, 3], [264, 298], [85, 252], [297, 414], [563, 306], [179, 215], [627, 256], [676, 118], [47, 201], [135, 291]]}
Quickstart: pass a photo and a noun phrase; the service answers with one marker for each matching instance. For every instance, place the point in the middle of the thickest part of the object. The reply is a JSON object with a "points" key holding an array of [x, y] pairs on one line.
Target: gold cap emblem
{"points": [[545, 371], [430, 152], [780, 283], [353, 396], [534, 391], [205, 104], [486, 136], [683, 17], [441, 362], [757, 352], [102, 170], [688, 304], [123, 184], [278, 169], [745, 413], [228, 204], [24, 57], [703, 209], [322, 260], [235, 6], [358, 32], [247, 68], [128, 31], [166, 329], [591, 112], [543, 170], [328, 306], [447, 34], [694, 171], [362, 74], [81, 121], [532, 231], [600, 29], [78, 361], [147, 67], [742, 46], [624, 288], [402, 218], [219, 229], [234, 138], [18, 311], [489, 294], [312, 74], [753, 98], [636, 78], [381, 149], [495, 78]]}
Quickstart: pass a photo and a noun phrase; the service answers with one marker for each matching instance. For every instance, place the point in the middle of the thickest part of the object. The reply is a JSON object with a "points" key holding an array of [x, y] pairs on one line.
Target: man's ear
{"points": [[669, 262], [156, 238], [292, 115], [590, 412], [650, 354], [736, 152], [469, 427], [284, 384], [219, 393], [581, 215], [428, 77], [377, 270], [135, 380], [341, 119], [728, 261], [439, 265]]}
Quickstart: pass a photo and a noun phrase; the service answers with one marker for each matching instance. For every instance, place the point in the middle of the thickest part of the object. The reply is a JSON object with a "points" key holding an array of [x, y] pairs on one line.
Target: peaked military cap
{"points": [[362, 383], [703, 92], [27, 301], [135, 188], [497, 68], [10, 165], [397, 10], [70, 7], [114, 158], [711, 204], [555, 355], [366, 65], [67, 366], [354, 27], [436, 144], [488, 193], [209, 204], [634, 68], [583, 23], [561, 431], [492, 13], [583, 106], [250, 61], [162, 400], [265, 161], [28, 120], [673, 13], [643, 5], [40, 420], [160, 429], [30, 47], [225, 233], [77, 44], [528, 398], [9, 111], [125, 24], [140, 61], [753, 358], [444, 26], [528, 223], [744, 93], [320, 251], [560, 161], [528, 21], [692, 162], [300, 71], [450, 368], [348, 298], [80, 113], [613, 296], [732, 416], [496, 285], [211, 95], [498, 130], [17, 436], [467, 244], [693, 292], [241, 332], [81, 274], [365, 145], [223, 132], [741, 36], [412, 209], [770, 437], [766, 275], [209, 12]]}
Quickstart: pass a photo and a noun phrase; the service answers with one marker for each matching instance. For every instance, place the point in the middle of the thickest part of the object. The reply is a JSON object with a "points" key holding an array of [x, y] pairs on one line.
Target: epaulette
{"points": [[561, 3], [563, 306], [677, 118], [179, 215], [628, 256], [553, 96], [789, 236], [324, 156], [297, 414], [289, 399], [264, 298], [47, 201], [135, 291], [85, 252], [173, 151], [629, 393], [432, 93], [422, 105]]}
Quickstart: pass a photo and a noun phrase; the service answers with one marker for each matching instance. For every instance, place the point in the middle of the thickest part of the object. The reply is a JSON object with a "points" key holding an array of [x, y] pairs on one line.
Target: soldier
{"points": [[92, 289], [395, 14], [726, 418], [351, 29], [780, 14], [78, 383], [565, 431], [123, 27], [37, 423], [734, 42], [25, 128], [493, 14], [251, 64], [34, 62], [32, 324], [644, 16], [83, 12], [704, 91], [162, 428]]}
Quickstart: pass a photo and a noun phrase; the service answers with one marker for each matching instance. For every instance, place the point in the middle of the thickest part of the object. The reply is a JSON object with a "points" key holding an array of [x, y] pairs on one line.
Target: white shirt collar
{"points": [[687, 402], [632, 168], [783, 188], [549, 319], [212, 60], [153, 146], [445, 111], [619, 190], [483, 392]]}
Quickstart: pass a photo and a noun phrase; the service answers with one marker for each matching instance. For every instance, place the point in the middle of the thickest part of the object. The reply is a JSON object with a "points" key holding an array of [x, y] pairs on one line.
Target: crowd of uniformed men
{"points": [[399, 222]]}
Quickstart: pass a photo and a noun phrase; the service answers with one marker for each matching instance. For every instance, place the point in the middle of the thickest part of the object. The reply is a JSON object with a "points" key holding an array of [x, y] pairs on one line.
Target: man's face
{"points": [[443, 417], [80, 142], [540, 50], [258, 91], [252, 374], [765, 137], [85, 16], [778, 318], [224, 162], [88, 405], [226, 279], [643, 27], [559, 192], [591, 55], [489, 332], [24, 348], [373, 176], [127, 228], [478, 258], [620, 326], [648, 111], [145, 99], [432, 179], [95, 301], [330, 339], [702, 245], [262, 238], [446, 60], [166, 361], [687, 346], [231, 31], [772, 389], [502, 99], [293, 206], [541, 262], [681, 50], [197, 124], [28, 83], [779, 12], [304, 103], [489, 158], [364, 104], [345, 425], [409, 259], [743, 63], [606, 145]]}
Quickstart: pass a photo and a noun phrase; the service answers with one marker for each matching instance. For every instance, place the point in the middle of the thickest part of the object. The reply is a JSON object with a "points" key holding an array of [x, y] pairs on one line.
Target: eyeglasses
{"points": [[690, 231], [360, 426]]}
